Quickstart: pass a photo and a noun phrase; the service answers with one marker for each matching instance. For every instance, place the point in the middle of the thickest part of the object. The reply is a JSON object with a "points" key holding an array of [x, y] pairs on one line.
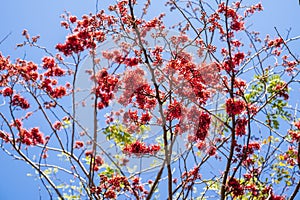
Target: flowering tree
{"points": [[200, 108]]}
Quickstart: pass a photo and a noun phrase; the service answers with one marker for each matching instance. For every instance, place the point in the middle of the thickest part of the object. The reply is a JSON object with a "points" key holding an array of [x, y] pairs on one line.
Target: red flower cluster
{"points": [[235, 106], [145, 118], [132, 116], [157, 55], [58, 92], [203, 126], [78, 144], [174, 111], [276, 42], [87, 32], [234, 187], [110, 186], [131, 62], [140, 148], [193, 75], [212, 150], [237, 23], [131, 80], [229, 65], [246, 151], [7, 92], [106, 85], [240, 85], [240, 127], [98, 162], [52, 68], [20, 101], [57, 125], [190, 177], [31, 137], [28, 70], [145, 97], [253, 8], [295, 135], [238, 58]]}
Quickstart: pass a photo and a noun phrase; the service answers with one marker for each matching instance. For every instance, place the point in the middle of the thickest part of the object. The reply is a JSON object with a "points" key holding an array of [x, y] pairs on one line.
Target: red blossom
{"points": [[88, 153], [235, 106], [133, 115], [240, 127], [236, 43], [295, 135], [73, 19], [237, 25], [131, 61], [78, 144], [140, 148], [234, 187], [145, 118], [191, 176], [7, 92], [276, 42], [57, 125], [238, 58], [201, 145], [174, 111], [59, 92], [212, 150], [106, 86], [20, 101], [145, 97], [31, 137], [99, 161], [203, 126]]}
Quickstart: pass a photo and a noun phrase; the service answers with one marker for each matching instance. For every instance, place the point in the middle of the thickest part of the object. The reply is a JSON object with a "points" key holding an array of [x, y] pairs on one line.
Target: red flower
{"points": [[174, 111], [140, 148], [235, 187], [237, 25], [7, 92], [73, 19], [57, 125], [203, 126], [212, 150], [20, 101], [295, 135], [240, 127], [78, 144], [145, 118], [59, 92], [99, 161], [234, 106], [238, 58]]}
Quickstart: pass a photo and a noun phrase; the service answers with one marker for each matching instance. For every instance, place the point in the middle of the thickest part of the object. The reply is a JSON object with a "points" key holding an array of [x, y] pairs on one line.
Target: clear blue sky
{"points": [[41, 17]]}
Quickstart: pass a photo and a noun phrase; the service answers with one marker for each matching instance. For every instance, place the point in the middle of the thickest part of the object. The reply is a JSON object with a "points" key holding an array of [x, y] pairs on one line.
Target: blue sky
{"points": [[42, 17]]}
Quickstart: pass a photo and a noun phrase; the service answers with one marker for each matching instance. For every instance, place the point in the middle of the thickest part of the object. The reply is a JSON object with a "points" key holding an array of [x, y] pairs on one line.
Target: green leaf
{"points": [[118, 134]]}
